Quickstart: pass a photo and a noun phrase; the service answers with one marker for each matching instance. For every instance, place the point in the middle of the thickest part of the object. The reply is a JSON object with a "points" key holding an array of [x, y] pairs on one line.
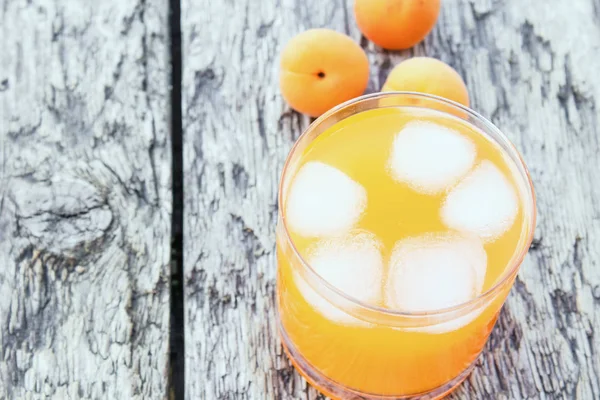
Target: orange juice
{"points": [[401, 230]]}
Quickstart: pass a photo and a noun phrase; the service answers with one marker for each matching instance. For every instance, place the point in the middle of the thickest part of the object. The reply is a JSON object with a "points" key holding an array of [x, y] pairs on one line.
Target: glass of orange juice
{"points": [[403, 221]]}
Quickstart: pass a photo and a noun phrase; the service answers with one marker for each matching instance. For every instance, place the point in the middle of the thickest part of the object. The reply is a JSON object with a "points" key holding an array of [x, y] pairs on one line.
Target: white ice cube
{"points": [[450, 325], [433, 272], [323, 201], [351, 264], [484, 203], [430, 157]]}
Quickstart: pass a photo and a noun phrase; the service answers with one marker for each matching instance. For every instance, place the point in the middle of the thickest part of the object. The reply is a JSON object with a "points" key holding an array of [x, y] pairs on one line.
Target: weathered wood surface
{"points": [[532, 67], [85, 199]]}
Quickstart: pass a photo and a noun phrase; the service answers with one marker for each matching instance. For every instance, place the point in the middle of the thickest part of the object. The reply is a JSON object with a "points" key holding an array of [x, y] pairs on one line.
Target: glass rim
{"points": [[518, 256]]}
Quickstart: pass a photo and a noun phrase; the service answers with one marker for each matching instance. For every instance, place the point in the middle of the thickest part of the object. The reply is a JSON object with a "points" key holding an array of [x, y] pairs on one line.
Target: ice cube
{"points": [[449, 325], [430, 157], [483, 203], [323, 201], [433, 272], [351, 264]]}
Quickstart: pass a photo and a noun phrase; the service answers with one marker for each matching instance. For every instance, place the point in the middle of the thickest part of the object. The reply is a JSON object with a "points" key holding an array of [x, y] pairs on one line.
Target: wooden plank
{"points": [[85, 199], [530, 66]]}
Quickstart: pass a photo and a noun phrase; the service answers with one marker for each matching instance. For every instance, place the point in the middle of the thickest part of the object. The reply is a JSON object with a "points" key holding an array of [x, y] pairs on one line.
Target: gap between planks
{"points": [[177, 339]]}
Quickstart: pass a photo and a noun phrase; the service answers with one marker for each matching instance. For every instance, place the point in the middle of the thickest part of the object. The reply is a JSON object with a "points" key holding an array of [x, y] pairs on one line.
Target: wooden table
{"points": [[102, 120]]}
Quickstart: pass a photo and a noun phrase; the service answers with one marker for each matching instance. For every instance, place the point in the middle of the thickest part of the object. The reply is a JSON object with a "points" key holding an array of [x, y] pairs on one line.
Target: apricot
{"points": [[427, 75], [321, 68], [396, 24]]}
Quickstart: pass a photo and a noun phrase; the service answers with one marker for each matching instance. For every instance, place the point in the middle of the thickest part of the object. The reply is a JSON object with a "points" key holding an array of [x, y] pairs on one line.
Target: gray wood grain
{"points": [[85, 199], [532, 67]]}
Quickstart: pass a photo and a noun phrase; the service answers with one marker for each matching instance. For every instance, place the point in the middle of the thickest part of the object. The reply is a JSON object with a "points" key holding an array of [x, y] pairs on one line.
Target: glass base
{"points": [[338, 392]]}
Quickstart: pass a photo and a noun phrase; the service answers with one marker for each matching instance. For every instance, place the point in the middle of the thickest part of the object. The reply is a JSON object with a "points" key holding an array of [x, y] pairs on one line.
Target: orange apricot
{"points": [[321, 68], [396, 24], [427, 75]]}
